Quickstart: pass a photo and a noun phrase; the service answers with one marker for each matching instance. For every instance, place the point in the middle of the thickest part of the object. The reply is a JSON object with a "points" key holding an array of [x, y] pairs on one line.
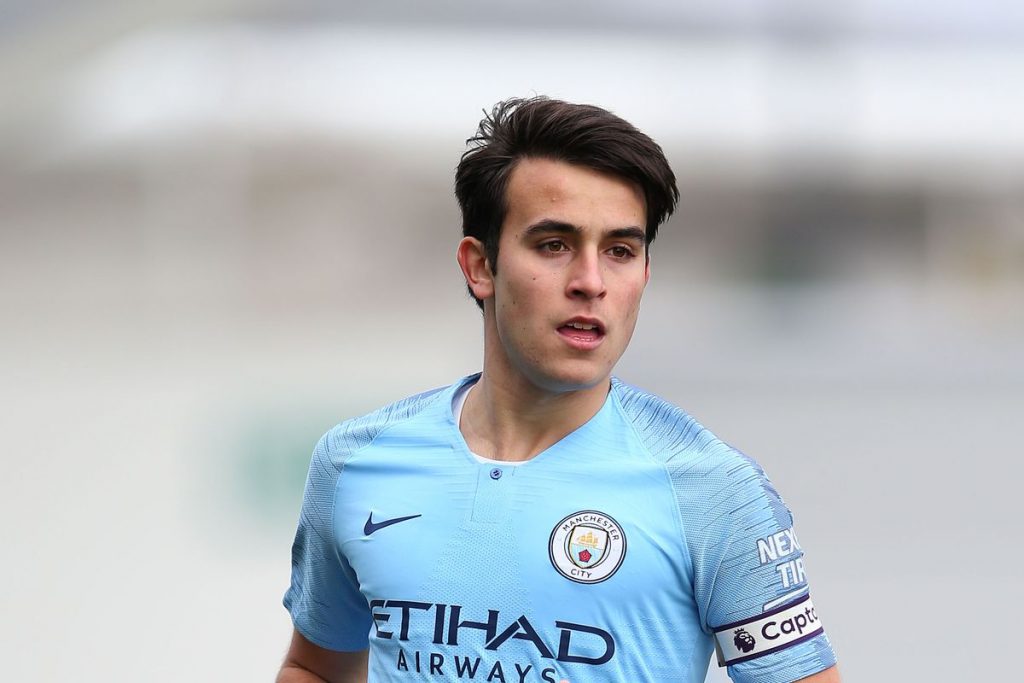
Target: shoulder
{"points": [[667, 431], [704, 469], [352, 435]]}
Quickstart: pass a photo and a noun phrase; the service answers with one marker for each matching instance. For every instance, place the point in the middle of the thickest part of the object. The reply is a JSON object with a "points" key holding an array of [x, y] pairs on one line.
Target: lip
{"points": [[583, 340]]}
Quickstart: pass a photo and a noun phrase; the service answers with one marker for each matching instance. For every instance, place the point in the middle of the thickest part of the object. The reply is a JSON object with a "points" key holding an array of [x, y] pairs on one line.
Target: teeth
{"points": [[583, 326]]}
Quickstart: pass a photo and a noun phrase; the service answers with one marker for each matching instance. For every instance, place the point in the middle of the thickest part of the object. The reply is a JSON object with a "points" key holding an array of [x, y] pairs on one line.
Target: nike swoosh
{"points": [[370, 527]]}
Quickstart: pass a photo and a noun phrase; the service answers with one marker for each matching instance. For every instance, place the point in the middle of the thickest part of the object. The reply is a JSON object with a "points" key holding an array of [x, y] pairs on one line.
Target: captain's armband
{"points": [[769, 632]]}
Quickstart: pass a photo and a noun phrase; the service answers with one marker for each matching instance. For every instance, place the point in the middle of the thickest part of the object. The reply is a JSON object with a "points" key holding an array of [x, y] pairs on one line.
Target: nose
{"points": [[586, 279]]}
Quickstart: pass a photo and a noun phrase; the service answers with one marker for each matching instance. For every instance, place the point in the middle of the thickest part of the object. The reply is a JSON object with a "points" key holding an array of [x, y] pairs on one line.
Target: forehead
{"points": [[541, 189]]}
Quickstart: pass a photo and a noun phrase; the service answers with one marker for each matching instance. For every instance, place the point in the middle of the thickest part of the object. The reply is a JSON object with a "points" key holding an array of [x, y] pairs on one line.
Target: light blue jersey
{"points": [[627, 552]]}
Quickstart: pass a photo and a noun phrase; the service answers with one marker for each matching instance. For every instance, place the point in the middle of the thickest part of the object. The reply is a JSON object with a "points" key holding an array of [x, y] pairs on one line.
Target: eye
{"points": [[554, 246], [621, 251]]}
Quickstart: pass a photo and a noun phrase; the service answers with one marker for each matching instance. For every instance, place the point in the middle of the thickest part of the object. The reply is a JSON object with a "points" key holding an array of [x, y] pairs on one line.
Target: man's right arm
{"points": [[309, 663], [324, 599]]}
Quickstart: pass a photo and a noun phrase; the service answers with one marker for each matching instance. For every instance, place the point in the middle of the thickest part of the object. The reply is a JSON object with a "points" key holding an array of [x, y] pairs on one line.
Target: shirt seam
{"points": [[337, 480], [677, 514]]}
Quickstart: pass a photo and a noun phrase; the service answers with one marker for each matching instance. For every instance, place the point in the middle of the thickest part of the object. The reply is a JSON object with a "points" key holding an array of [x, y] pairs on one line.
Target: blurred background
{"points": [[226, 226]]}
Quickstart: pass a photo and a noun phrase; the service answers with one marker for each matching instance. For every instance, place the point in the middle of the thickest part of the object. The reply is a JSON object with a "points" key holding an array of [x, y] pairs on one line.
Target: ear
{"points": [[475, 268], [647, 270]]}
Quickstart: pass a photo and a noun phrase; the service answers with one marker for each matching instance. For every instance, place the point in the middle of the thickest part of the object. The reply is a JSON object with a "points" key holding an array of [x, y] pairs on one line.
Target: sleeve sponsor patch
{"points": [[772, 631]]}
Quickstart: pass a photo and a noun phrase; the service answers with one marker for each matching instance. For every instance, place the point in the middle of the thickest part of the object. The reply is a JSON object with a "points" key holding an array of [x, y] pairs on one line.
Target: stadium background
{"points": [[224, 226]]}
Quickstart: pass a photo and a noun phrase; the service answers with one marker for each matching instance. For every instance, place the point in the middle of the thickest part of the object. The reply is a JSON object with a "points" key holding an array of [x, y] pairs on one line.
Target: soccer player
{"points": [[542, 521]]}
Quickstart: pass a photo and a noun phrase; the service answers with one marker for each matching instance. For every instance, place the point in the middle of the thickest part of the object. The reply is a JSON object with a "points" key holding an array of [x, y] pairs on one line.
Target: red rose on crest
{"points": [[585, 556]]}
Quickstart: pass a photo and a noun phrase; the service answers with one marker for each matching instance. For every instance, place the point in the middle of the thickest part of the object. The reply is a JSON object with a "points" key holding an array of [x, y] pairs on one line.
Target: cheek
{"points": [[633, 295], [515, 306], [523, 291], [631, 305]]}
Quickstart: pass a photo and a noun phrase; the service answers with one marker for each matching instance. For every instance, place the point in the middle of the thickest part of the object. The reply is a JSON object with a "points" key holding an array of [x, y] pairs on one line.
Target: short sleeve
{"points": [[749, 577], [324, 599]]}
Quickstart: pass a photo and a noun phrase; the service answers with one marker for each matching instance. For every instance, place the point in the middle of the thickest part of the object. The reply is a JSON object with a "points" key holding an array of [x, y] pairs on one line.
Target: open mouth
{"points": [[582, 331]]}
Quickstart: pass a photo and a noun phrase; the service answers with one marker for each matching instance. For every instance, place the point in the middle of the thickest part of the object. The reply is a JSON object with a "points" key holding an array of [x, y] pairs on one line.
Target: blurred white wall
{"points": [[226, 226]]}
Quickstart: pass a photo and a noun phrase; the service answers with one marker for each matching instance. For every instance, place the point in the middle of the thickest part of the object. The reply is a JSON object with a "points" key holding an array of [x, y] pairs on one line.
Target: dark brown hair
{"points": [[575, 133]]}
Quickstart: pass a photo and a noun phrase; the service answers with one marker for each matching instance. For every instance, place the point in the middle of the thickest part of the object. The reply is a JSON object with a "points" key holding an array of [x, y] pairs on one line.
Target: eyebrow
{"points": [[549, 226]]}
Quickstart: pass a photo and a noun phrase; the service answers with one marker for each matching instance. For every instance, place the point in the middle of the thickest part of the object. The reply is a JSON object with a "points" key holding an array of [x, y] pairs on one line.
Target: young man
{"points": [[542, 521]]}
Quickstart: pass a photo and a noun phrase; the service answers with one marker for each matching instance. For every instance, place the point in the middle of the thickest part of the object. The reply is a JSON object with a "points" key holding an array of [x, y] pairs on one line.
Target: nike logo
{"points": [[370, 527]]}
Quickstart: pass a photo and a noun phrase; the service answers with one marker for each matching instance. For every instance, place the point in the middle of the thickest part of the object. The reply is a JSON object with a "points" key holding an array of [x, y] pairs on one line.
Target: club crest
{"points": [[587, 546]]}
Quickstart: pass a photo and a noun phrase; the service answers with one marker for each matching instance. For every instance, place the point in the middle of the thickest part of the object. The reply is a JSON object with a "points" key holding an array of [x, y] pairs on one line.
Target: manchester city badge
{"points": [[587, 546]]}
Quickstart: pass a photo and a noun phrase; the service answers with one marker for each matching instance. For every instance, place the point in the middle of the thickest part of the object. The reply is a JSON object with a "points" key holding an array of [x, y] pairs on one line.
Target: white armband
{"points": [[769, 632]]}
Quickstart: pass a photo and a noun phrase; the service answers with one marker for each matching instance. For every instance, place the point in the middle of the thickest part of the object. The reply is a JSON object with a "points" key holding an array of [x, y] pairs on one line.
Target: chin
{"points": [[566, 379]]}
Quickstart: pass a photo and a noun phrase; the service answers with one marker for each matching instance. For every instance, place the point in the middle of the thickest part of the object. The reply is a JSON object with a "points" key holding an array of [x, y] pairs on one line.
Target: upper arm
{"points": [[329, 665], [749, 580], [829, 675], [324, 597]]}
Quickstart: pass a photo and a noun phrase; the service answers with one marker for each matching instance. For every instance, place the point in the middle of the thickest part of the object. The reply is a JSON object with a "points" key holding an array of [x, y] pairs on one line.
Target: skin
{"points": [[571, 246], [309, 663]]}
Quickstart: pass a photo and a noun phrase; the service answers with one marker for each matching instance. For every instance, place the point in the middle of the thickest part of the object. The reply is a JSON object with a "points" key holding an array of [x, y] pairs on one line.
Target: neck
{"points": [[515, 420]]}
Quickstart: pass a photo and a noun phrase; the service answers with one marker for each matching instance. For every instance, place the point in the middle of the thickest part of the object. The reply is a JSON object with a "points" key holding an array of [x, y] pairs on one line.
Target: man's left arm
{"points": [[830, 675], [749, 579]]}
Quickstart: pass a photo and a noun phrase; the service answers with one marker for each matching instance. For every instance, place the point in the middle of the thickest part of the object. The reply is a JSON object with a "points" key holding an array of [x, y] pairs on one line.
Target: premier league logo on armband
{"points": [[744, 641], [587, 546]]}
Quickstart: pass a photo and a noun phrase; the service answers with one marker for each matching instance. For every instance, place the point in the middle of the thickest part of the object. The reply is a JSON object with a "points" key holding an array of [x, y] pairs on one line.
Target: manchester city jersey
{"points": [[629, 551]]}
